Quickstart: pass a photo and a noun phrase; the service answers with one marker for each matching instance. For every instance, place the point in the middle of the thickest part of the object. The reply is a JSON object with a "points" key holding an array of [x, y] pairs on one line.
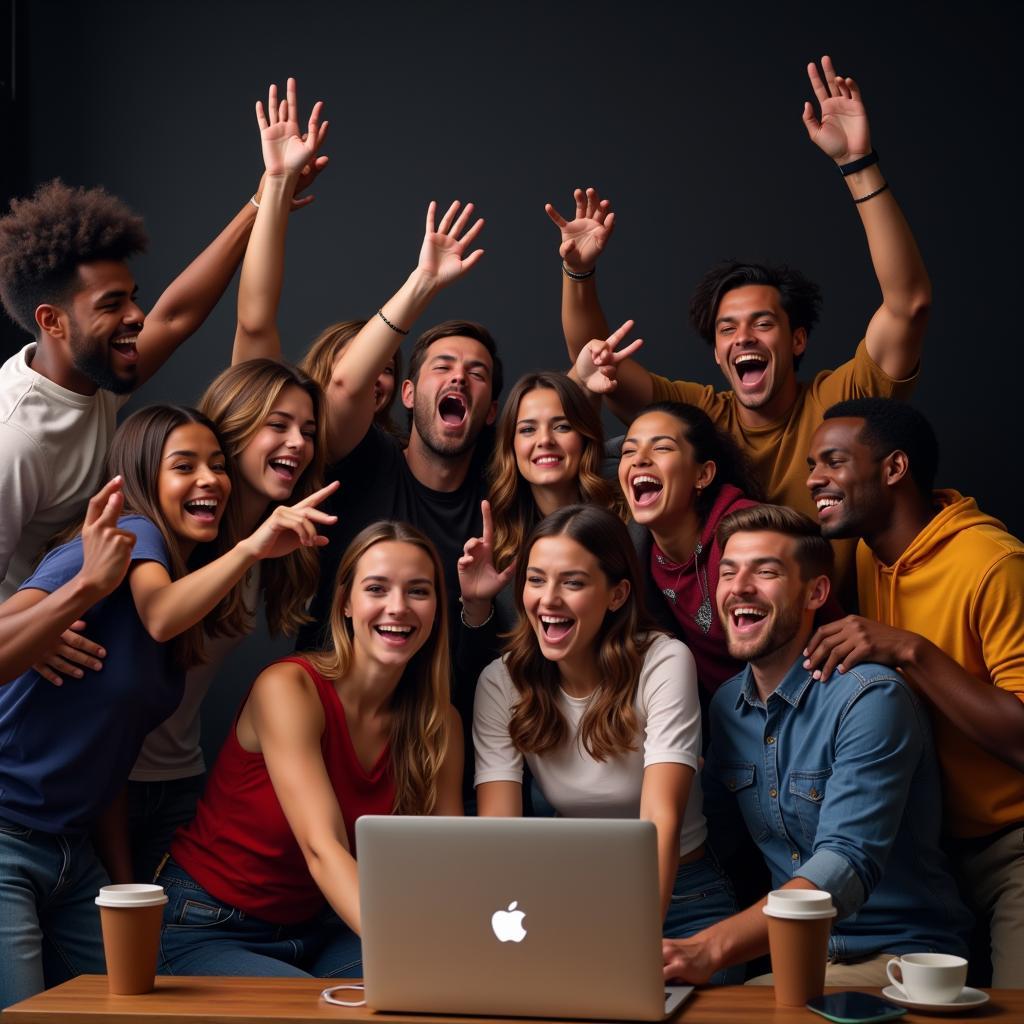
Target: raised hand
{"points": [[843, 131], [290, 527], [584, 238], [442, 253], [479, 581], [286, 151], [106, 556], [598, 362]]}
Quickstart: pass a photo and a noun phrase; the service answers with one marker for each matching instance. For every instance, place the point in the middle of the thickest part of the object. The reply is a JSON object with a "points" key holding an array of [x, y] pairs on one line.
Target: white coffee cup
{"points": [[928, 977]]}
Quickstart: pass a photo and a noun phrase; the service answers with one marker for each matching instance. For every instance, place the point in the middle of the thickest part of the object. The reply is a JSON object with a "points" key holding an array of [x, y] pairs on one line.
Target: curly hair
{"points": [[44, 239]]}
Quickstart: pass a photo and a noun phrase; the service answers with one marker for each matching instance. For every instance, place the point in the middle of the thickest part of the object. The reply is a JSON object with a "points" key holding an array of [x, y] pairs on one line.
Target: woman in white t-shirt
{"points": [[603, 710]]}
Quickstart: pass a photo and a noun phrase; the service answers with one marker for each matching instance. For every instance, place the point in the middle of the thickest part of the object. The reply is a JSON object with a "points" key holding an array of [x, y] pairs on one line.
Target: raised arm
{"points": [[32, 622], [442, 260], [285, 153], [583, 239], [896, 330]]}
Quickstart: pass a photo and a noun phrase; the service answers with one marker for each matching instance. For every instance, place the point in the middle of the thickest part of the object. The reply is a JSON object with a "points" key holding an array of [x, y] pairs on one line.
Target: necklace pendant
{"points": [[704, 615], [669, 593]]}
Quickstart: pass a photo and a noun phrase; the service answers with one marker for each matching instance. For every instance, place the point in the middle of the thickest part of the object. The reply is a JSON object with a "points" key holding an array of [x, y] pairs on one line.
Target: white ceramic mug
{"points": [[928, 977]]}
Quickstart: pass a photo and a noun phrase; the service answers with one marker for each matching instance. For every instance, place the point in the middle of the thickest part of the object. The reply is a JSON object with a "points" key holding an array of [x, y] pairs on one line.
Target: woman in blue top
{"points": [[65, 752]]}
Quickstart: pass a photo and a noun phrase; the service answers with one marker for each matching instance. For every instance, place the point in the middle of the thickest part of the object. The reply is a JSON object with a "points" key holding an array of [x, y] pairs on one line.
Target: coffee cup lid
{"points": [[799, 903], [131, 894]]}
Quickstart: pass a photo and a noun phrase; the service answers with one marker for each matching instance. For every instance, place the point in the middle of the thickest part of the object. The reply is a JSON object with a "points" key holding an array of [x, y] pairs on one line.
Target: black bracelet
{"points": [[575, 274], [858, 165], [393, 327], [870, 195]]}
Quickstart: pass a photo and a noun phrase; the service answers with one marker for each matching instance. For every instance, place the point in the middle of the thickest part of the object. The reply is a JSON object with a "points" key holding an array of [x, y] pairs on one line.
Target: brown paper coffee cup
{"points": [[131, 916], [798, 930]]}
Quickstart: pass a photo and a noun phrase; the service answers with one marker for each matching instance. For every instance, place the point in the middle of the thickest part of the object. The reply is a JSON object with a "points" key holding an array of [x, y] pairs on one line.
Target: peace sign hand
{"points": [[584, 238], [285, 150], [288, 528], [598, 362], [441, 255], [843, 132], [479, 581]]}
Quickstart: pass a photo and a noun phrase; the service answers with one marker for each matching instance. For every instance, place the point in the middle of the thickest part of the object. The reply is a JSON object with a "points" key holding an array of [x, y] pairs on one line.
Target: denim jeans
{"points": [[701, 897], [49, 924], [202, 935], [156, 810]]}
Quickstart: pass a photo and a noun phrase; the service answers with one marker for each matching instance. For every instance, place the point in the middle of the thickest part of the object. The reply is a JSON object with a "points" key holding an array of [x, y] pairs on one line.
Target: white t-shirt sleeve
{"points": [[497, 758], [23, 480], [668, 694]]}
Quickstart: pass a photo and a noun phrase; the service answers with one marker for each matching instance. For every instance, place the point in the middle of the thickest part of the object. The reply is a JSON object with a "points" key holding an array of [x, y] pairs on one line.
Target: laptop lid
{"points": [[549, 917]]}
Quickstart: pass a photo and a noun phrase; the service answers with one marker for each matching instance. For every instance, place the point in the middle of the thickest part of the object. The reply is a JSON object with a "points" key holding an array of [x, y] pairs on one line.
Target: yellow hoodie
{"points": [[960, 584]]}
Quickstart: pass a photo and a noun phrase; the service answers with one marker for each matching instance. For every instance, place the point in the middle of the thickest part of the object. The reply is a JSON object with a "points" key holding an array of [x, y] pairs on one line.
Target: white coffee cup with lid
{"points": [[802, 904], [928, 977]]}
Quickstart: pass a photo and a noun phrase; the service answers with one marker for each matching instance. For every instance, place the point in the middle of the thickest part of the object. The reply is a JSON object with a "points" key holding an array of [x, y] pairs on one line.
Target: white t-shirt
{"points": [[172, 750], [576, 785], [52, 446]]}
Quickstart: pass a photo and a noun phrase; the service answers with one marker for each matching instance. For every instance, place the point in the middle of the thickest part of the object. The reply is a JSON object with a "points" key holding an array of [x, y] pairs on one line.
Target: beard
{"points": [[92, 359], [784, 627]]}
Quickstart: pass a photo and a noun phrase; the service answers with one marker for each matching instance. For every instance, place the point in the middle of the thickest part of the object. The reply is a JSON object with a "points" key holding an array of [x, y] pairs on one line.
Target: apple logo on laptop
{"points": [[508, 924]]}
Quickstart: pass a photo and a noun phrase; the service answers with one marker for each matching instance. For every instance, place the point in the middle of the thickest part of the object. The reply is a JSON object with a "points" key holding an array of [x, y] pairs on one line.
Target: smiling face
{"points": [[846, 481], [281, 450], [451, 397], [104, 324], [659, 472], [754, 345], [392, 604], [763, 601], [547, 446], [193, 484], [384, 388], [566, 597]]}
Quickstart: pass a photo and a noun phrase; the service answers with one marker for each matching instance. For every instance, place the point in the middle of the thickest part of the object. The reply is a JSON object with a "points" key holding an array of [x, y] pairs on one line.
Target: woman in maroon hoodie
{"points": [[681, 476]]}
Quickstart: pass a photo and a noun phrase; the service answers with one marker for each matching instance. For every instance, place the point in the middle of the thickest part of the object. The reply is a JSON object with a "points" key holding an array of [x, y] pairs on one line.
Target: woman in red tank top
{"points": [[263, 882]]}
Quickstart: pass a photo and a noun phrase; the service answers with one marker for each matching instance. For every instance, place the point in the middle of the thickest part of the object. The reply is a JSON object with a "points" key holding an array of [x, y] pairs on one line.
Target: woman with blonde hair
{"points": [[264, 881]]}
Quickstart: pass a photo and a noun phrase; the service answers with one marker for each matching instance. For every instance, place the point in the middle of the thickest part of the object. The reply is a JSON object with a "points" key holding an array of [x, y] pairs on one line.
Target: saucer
{"points": [[967, 1000]]}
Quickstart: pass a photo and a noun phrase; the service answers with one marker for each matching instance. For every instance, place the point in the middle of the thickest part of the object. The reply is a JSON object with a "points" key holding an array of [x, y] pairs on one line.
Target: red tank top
{"points": [[240, 848]]}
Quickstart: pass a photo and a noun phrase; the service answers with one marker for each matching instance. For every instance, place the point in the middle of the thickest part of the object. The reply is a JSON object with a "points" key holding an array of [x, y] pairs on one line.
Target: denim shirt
{"points": [[838, 783]]}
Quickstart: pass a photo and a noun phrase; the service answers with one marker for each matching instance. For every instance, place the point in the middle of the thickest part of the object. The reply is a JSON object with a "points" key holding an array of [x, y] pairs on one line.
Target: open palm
{"points": [[843, 131], [442, 254], [285, 149], [584, 237]]}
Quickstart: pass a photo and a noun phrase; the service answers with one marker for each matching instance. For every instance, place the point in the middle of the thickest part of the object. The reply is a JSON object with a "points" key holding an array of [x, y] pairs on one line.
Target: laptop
{"points": [[533, 917]]}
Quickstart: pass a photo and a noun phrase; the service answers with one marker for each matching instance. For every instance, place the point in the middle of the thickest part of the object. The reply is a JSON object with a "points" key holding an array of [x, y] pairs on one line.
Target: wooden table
{"points": [[84, 1000]]}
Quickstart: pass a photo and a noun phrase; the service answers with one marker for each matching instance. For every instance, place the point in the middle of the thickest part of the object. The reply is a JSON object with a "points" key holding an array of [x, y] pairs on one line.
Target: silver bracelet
{"points": [[252, 199], [469, 625]]}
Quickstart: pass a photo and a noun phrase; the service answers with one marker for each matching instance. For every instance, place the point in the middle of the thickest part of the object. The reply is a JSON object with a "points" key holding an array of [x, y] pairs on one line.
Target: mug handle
{"points": [[896, 982]]}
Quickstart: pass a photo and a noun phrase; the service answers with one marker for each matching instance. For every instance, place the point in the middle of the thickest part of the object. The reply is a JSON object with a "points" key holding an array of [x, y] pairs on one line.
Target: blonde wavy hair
{"points": [[238, 402], [514, 511], [609, 726], [420, 705]]}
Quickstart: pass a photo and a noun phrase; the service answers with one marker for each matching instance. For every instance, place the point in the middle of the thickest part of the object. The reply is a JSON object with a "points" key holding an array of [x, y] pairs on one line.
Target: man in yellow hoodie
{"points": [[940, 583]]}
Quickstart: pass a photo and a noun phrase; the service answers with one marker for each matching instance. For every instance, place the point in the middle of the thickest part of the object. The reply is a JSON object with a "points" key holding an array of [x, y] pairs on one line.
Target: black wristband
{"points": [[858, 165]]}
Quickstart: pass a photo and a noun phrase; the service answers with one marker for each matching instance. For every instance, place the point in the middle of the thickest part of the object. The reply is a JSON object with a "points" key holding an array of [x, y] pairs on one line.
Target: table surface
{"points": [[85, 1000]]}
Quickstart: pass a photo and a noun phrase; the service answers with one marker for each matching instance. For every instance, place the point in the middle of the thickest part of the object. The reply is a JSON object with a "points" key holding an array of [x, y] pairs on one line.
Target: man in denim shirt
{"points": [[838, 785]]}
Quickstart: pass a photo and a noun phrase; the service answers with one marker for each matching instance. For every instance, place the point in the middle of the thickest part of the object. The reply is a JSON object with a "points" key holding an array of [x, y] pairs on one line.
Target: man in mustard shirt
{"points": [[758, 318], [940, 584]]}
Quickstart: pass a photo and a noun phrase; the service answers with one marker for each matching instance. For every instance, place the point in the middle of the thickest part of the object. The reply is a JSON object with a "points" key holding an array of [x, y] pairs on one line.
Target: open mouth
{"points": [[826, 503], [646, 489], [202, 509], [452, 409], [556, 627], [747, 617], [285, 466], [395, 635], [750, 368], [126, 347]]}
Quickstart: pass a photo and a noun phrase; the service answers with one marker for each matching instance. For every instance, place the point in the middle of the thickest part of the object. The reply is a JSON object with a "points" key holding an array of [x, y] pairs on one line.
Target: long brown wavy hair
{"points": [[135, 453], [319, 361], [420, 705], [238, 401], [609, 726], [513, 508]]}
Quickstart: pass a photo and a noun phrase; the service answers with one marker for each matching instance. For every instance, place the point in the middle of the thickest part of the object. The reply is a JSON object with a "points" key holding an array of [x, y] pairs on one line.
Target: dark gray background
{"points": [[687, 116]]}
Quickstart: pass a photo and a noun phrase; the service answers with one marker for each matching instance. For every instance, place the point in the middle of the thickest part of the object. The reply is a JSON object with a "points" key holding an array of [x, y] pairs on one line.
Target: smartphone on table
{"points": [[854, 1008]]}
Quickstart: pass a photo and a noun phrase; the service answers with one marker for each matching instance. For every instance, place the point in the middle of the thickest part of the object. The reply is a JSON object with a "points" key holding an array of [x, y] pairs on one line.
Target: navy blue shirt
{"points": [[838, 783], [65, 751]]}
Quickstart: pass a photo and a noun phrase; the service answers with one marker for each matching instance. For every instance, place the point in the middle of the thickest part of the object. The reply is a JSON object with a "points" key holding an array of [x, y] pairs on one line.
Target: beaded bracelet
{"points": [[577, 275], [469, 625], [393, 327]]}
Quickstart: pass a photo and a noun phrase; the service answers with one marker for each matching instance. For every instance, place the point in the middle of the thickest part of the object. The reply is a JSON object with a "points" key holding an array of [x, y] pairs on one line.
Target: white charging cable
{"points": [[328, 997]]}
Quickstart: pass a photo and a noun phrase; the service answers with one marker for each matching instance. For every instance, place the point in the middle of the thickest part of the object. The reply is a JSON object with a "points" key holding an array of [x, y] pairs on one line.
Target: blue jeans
{"points": [[156, 810], [701, 897], [49, 924], [202, 935]]}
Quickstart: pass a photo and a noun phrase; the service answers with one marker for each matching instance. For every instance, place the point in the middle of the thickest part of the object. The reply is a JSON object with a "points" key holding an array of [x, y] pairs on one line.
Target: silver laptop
{"points": [[537, 917]]}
